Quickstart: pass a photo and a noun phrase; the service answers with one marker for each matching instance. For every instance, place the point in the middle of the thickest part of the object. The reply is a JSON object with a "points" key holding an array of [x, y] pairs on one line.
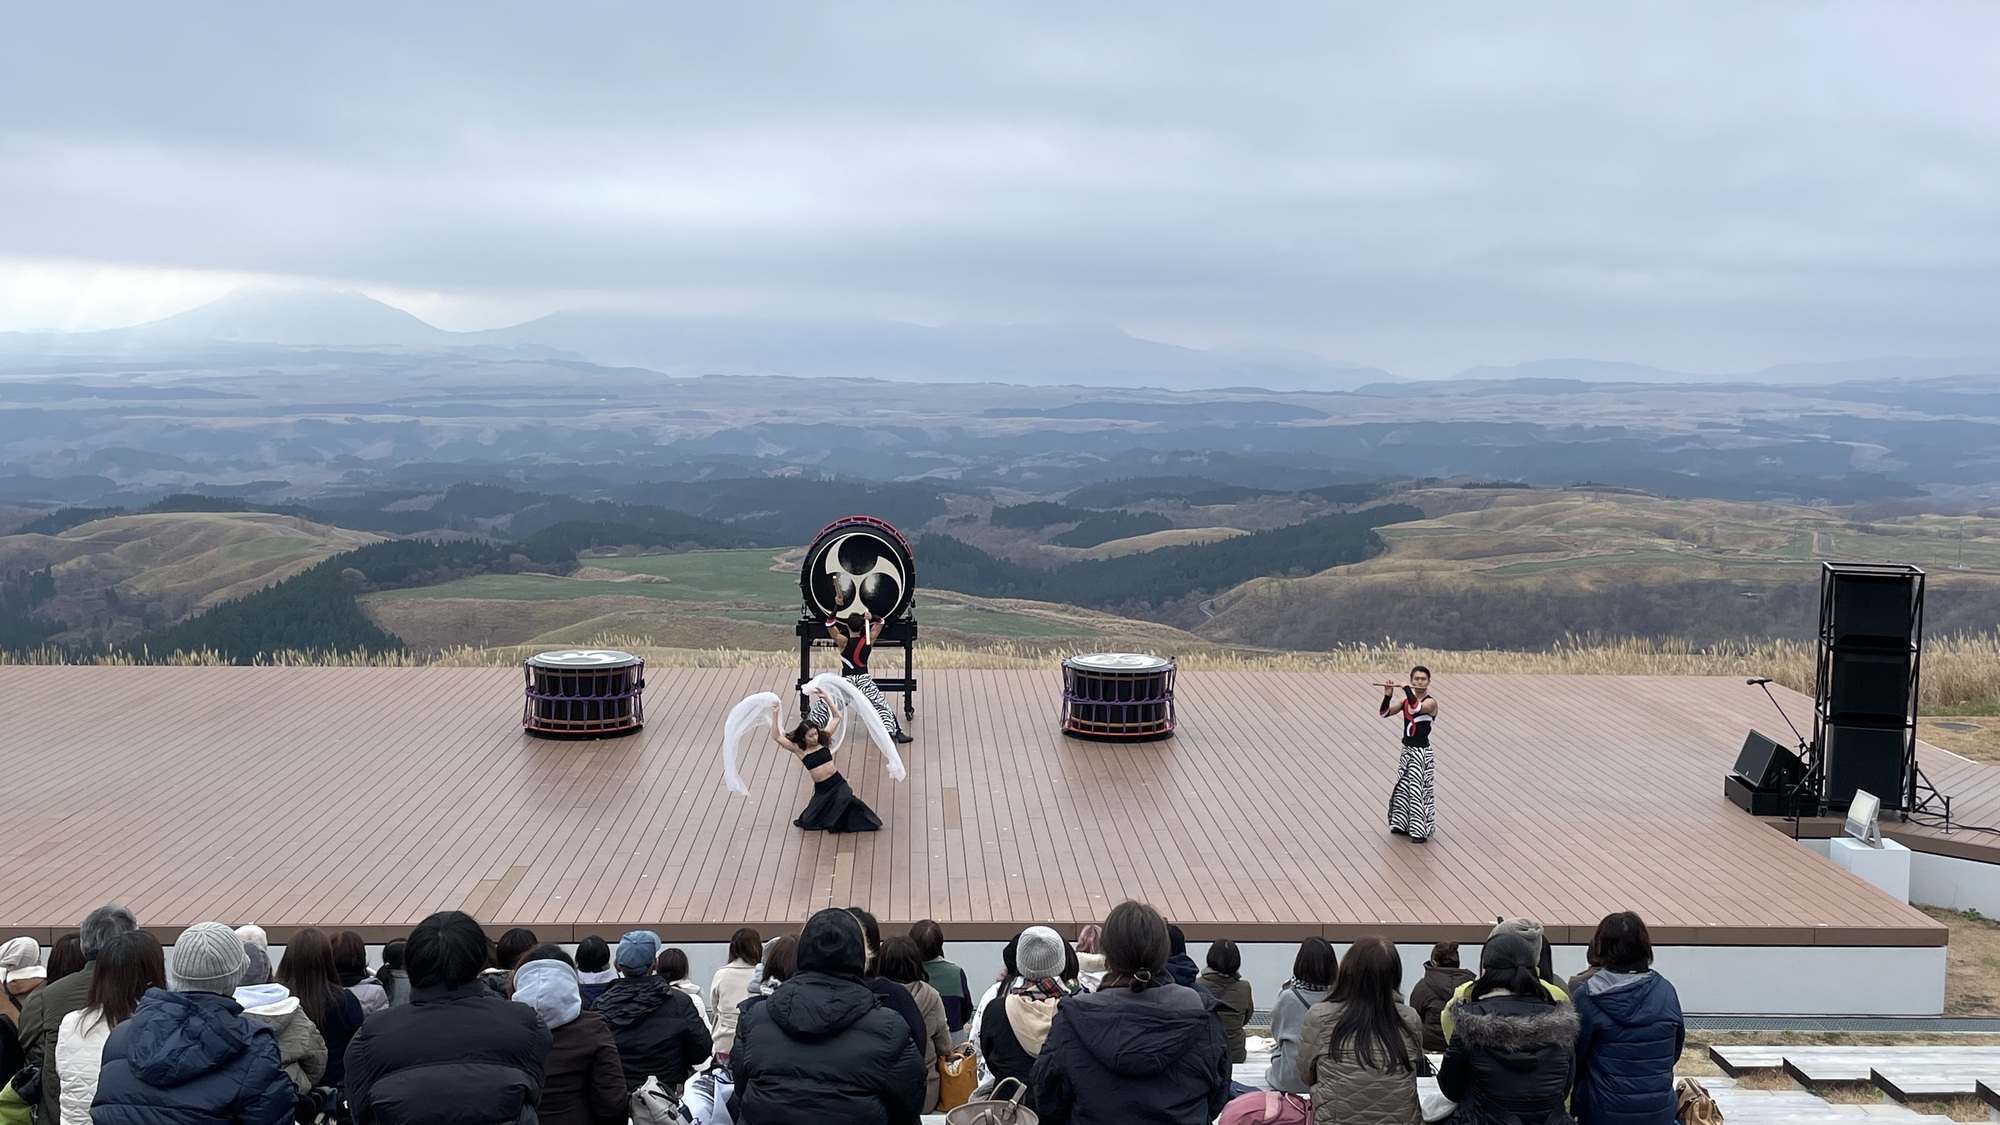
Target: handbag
{"points": [[654, 1104], [996, 1111], [1266, 1107], [958, 1077], [706, 1098]]}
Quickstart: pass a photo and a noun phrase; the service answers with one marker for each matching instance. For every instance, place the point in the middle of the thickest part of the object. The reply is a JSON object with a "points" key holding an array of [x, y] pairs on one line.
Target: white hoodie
{"points": [[301, 1048]]}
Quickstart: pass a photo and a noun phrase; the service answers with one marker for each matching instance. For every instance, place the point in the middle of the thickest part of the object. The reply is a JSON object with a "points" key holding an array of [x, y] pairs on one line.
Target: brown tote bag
{"points": [[958, 1077]]}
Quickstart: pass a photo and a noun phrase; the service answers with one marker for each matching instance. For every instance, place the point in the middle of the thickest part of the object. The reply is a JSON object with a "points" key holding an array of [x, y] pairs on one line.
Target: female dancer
{"points": [[1412, 805], [834, 807], [857, 633]]}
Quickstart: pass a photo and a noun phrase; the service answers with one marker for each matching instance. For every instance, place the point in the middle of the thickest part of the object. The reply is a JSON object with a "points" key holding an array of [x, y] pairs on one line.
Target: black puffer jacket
{"points": [[451, 1056], [657, 1029], [1119, 1057], [1509, 1061], [822, 1049]]}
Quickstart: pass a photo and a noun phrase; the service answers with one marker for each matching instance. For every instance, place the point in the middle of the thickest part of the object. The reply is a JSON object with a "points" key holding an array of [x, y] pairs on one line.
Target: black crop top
{"points": [[817, 758]]}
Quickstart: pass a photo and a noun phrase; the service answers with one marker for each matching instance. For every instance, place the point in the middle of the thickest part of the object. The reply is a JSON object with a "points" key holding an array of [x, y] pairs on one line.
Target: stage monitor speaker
{"points": [[1868, 610], [1869, 686], [1870, 758], [1765, 765]]}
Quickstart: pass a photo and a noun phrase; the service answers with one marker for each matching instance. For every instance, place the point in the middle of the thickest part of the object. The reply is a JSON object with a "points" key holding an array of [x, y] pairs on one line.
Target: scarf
{"points": [[1030, 1013]]}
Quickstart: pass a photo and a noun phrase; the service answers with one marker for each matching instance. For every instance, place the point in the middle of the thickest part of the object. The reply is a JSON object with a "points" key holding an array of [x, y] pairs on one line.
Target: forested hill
{"points": [[1155, 579]]}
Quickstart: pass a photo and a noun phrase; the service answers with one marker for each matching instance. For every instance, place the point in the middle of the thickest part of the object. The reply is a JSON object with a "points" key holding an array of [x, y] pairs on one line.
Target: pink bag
{"points": [[1266, 1107]]}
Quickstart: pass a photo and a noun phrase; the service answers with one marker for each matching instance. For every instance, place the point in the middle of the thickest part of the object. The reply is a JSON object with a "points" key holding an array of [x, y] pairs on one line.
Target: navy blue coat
{"points": [[1628, 1040], [191, 1058]]}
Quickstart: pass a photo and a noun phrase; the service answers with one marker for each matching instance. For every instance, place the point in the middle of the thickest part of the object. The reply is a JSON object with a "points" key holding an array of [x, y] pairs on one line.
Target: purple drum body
{"points": [[1118, 696], [583, 693]]}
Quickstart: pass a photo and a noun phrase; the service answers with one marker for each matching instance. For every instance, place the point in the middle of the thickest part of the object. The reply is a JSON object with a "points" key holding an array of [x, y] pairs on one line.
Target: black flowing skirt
{"points": [[835, 808]]}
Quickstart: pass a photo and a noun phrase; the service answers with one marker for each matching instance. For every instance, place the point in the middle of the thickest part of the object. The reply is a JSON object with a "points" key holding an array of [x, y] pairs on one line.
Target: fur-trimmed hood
{"points": [[1507, 1023]]}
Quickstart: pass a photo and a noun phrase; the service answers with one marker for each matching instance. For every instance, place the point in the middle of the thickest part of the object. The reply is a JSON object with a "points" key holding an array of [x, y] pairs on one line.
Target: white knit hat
{"points": [[21, 959]]}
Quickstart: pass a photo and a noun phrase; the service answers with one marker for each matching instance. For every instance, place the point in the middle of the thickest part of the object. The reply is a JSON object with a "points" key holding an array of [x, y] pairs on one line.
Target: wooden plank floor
{"points": [[367, 798]]}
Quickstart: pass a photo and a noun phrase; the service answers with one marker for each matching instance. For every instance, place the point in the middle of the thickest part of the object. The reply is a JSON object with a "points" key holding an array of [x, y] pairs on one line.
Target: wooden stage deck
{"points": [[368, 798]]}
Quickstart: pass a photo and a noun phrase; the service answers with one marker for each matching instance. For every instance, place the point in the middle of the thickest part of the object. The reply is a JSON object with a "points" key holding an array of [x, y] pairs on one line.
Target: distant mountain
{"points": [[1583, 370], [305, 317], [1841, 371]]}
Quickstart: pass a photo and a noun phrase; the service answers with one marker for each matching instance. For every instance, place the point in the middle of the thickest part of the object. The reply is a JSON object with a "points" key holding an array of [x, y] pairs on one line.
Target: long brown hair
{"points": [[308, 970], [132, 963], [1369, 1029]]}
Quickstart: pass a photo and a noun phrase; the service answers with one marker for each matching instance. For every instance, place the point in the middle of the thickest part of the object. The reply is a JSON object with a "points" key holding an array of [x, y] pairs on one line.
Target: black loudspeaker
{"points": [[1872, 610], [1767, 766], [1870, 758], [1869, 686]]}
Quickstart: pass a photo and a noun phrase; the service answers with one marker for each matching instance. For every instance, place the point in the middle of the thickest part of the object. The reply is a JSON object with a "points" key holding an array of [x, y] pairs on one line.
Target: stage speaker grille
{"points": [[1868, 758], [1766, 765]]}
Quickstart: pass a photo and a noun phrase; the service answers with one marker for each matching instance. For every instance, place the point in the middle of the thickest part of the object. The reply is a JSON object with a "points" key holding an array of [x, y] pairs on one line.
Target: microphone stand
{"points": [[1806, 756]]}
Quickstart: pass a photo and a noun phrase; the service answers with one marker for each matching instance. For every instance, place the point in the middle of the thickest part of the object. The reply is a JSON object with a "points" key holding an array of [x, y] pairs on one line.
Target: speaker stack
{"points": [[1871, 622]]}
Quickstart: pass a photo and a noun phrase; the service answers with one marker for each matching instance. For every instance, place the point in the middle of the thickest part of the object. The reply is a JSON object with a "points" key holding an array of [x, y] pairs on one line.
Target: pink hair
{"points": [[1087, 939]]}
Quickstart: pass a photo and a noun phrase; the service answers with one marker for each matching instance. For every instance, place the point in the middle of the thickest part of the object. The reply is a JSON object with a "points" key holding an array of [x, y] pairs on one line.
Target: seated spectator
{"points": [[189, 1055], [822, 1048], [1510, 1054], [307, 969], [455, 1052], [1090, 957], [1442, 979], [903, 964], [66, 991], [1233, 1005], [593, 969], [21, 972], [781, 961], [301, 1047], [350, 963], [583, 1082], [999, 987], [657, 1029], [1529, 931], [65, 957], [1313, 972], [1015, 1026], [508, 950], [672, 966], [894, 996], [1362, 1045], [1629, 1031], [392, 976], [1134, 1050], [946, 977], [1178, 962], [730, 986], [126, 969]]}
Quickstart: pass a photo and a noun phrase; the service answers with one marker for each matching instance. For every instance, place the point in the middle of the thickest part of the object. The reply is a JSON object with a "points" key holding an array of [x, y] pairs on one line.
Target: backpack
{"points": [[1266, 1107]]}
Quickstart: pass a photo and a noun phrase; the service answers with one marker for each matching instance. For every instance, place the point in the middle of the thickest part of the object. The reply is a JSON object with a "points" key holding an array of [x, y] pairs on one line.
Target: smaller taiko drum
{"points": [[1127, 696], [583, 693]]}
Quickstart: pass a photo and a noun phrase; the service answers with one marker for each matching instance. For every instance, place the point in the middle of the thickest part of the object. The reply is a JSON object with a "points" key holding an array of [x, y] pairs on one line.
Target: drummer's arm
{"points": [[872, 623]]}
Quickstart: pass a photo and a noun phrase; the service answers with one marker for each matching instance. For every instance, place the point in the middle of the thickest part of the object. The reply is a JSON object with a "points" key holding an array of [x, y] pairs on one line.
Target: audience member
{"points": [[455, 1052], [21, 972], [730, 986], [1361, 1046], [903, 963], [259, 969], [307, 969], [1178, 962], [350, 963], [657, 1029], [301, 1047], [821, 1048], [499, 976], [1442, 979], [1233, 1005], [583, 1082], [672, 966], [1133, 1050], [1529, 931], [66, 992], [894, 996], [593, 969], [130, 965], [995, 990], [1630, 1032], [1016, 1026], [392, 976], [1090, 957], [780, 963], [65, 957], [189, 1054], [1313, 971], [1510, 1055], [255, 935], [949, 980]]}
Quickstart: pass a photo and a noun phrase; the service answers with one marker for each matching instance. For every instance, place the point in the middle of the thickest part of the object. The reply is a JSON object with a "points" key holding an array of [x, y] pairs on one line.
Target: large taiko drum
{"points": [[583, 693], [1118, 695], [854, 562]]}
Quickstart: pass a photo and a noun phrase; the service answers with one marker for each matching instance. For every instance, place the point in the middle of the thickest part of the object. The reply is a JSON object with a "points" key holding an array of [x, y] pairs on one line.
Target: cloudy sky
{"points": [[1707, 186]]}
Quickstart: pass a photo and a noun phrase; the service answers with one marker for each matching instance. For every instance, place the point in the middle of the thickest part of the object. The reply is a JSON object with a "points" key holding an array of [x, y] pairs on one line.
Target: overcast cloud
{"points": [[1708, 186]]}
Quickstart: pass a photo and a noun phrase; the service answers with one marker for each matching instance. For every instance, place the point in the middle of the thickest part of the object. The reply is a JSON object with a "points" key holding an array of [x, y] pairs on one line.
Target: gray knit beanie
{"points": [[1040, 954], [208, 957], [1527, 928]]}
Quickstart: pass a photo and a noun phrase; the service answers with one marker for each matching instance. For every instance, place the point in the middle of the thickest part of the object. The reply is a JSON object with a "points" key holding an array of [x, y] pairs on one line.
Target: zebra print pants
{"points": [[1413, 805], [866, 683]]}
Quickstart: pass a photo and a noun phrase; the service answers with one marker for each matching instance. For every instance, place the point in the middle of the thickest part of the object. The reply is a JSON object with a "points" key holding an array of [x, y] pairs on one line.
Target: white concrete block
{"points": [[1886, 867]]}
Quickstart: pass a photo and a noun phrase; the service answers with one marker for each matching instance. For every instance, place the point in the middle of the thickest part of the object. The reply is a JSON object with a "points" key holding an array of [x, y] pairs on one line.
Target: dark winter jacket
{"points": [[1001, 1048], [1509, 1061], [1233, 1007], [451, 1056], [190, 1058], [1183, 969], [1431, 995], [583, 1083], [343, 1019], [1119, 1057], [897, 999], [822, 1049], [1629, 1037], [658, 1031]]}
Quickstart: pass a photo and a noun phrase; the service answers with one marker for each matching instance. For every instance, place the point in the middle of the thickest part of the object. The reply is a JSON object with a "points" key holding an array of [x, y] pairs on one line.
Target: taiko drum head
{"points": [[855, 562]]}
